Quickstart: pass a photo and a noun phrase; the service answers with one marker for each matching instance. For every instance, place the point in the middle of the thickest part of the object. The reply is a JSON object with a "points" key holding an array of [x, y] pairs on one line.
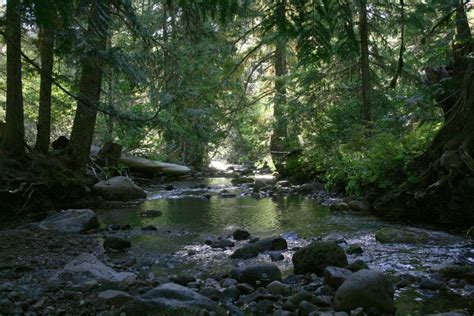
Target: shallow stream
{"points": [[193, 211]]}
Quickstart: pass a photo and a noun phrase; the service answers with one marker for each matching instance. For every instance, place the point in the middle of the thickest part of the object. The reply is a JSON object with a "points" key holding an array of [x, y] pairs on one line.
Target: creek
{"points": [[194, 211]]}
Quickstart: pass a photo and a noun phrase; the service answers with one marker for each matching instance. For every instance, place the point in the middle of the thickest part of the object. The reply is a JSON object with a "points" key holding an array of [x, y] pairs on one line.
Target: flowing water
{"points": [[189, 217]]}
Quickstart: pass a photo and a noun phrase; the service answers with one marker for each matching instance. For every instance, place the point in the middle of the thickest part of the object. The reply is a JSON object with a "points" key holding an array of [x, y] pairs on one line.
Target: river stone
{"points": [[245, 252], [241, 234], [278, 288], [357, 265], [354, 249], [315, 257], [150, 213], [231, 293], [211, 292], [87, 267], [222, 243], [113, 297], [358, 206], [305, 308], [458, 272], [183, 279], [271, 243], [368, 289], [71, 221], [241, 180], [335, 276], [431, 284], [168, 299], [116, 243], [259, 274], [118, 189], [401, 236], [309, 188]]}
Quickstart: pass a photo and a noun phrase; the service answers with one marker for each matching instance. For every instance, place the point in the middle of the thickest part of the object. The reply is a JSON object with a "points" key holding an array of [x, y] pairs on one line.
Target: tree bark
{"points": [[279, 137], [14, 138], [46, 38], [89, 85], [364, 63]]}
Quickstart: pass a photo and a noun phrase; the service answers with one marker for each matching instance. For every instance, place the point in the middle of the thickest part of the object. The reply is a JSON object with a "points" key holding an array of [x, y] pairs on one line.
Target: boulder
{"points": [[169, 299], [87, 267], [116, 243], [241, 234], [278, 288], [335, 276], [305, 308], [354, 249], [118, 189], [71, 221], [258, 274], [147, 166], [245, 252], [210, 292], [114, 297], [369, 289], [271, 243], [317, 256], [431, 284], [401, 236], [357, 265], [458, 272]]}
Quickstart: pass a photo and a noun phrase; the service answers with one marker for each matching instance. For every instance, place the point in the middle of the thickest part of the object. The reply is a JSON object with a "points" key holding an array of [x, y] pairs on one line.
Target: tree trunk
{"points": [[443, 194], [14, 138], [364, 63], [279, 138], [89, 86], [46, 43]]}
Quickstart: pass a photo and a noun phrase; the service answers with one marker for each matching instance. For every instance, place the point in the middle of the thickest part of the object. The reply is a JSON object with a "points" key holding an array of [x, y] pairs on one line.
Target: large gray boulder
{"points": [[71, 221], [169, 299], [369, 289], [118, 189], [317, 256], [87, 267]]}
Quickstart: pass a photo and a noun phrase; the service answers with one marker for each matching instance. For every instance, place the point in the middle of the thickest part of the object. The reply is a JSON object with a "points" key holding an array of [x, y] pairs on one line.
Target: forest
{"points": [[237, 157]]}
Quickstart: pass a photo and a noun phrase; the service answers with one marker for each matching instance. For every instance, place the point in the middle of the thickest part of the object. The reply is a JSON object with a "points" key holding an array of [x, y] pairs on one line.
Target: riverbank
{"points": [[190, 240]]}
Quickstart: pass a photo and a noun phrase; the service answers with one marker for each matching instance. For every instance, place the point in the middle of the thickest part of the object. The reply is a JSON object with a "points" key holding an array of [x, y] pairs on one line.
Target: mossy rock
{"points": [[245, 252], [317, 256], [401, 236], [458, 272]]}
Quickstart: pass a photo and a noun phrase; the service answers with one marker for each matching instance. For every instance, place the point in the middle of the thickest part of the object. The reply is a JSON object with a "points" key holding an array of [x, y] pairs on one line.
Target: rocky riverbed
{"points": [[217, 247]]}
